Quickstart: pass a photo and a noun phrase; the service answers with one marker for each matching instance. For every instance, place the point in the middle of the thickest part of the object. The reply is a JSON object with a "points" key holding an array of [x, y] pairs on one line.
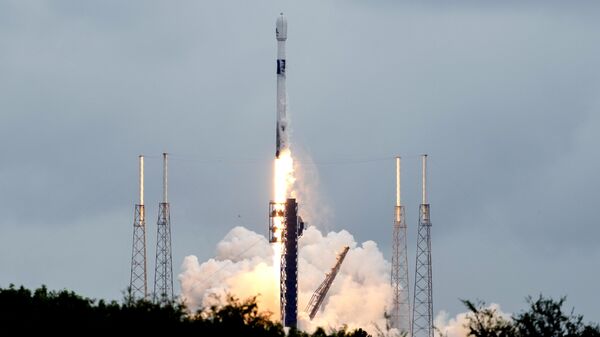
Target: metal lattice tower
{"points": [[163, 272], [289, 264], [138, 284], [422, 324], [319, 295], [286, 216], [400, 315]]}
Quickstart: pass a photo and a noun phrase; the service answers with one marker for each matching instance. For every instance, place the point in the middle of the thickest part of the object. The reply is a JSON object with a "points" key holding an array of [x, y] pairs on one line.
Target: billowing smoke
{"points": [[457, 326], [243, 267], [314, 209]]}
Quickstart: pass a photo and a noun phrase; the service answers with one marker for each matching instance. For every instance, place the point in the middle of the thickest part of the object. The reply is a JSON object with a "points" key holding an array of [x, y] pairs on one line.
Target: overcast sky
{"points": [[505, 98]]}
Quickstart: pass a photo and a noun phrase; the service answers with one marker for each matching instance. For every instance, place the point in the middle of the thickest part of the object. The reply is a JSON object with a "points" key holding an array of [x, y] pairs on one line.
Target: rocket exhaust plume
{"points": [[247, 264]]}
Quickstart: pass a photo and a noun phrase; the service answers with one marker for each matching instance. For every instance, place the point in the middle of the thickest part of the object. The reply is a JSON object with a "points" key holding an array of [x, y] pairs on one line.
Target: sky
{"points": [[504, 97]]}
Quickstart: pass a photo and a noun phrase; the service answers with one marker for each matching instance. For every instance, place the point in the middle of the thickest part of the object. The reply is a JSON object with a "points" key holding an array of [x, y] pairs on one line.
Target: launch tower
{"points": [[319, 295], [293, 227], [422, 325]]}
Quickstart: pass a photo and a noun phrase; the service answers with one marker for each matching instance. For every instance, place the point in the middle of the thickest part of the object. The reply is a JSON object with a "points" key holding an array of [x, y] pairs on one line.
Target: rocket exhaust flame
{"points": [[283, 182]]}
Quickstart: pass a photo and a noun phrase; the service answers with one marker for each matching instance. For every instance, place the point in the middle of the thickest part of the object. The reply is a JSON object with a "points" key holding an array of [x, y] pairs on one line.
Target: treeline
{"points": [[23, 311], [545, 317]]}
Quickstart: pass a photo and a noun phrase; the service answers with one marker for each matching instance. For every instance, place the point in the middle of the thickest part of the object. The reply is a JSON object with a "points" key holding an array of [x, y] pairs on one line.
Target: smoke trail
{"points": [[243, 266], [314, 208]]}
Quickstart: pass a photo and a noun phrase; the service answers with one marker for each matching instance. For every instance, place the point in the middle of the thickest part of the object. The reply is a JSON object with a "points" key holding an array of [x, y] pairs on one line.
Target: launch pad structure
{"points": [[286, 215], [319, 295]]}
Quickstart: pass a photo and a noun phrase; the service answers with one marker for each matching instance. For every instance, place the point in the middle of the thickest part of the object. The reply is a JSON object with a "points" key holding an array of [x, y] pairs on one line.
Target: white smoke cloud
{"points": [[243, 267], [457, 326]]}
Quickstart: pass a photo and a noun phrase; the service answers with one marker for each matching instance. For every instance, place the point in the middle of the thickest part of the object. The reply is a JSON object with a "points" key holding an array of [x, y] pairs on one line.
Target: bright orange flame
{"points": [[284, 175]]}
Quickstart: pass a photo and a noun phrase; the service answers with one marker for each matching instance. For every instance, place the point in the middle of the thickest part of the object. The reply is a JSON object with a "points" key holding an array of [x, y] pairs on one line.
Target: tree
{"points": [[236, 318], [544, 318], [486, 321], [64, 312]]}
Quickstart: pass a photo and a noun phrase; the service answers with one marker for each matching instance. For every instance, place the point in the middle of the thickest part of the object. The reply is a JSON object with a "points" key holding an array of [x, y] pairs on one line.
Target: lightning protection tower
{"points": [[138, 284], [400, 316], [163, 272], [422, 324]]}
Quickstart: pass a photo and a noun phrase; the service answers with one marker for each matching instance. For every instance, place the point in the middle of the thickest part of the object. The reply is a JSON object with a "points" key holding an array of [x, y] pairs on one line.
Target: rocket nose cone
{"points": [[281, 28]]}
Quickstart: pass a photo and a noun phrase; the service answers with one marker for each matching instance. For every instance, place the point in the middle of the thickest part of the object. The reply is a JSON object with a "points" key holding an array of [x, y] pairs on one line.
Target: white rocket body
{"points": [[282, 127]]}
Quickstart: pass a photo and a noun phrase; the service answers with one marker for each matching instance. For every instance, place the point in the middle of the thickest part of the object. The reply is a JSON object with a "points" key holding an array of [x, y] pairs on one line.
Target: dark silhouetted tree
{"points": [[544, 318], [486, 321], [24, 311]]}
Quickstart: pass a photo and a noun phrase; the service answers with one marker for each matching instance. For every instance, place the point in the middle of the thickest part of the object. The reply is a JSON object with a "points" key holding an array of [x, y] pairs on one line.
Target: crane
{"points": [[319, 295]]}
